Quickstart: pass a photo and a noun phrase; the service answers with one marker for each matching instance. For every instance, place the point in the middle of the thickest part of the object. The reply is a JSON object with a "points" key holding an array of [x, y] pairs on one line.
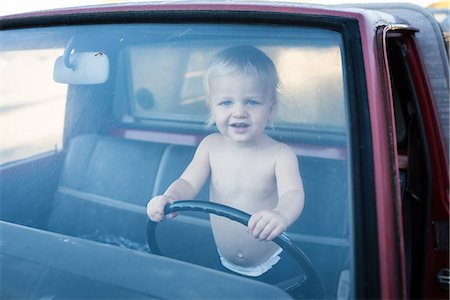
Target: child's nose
{"points": [[240, 111]]}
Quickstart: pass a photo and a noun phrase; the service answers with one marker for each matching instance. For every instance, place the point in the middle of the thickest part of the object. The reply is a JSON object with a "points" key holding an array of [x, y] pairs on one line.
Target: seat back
{"points": [[175, 159], [104, 187]]}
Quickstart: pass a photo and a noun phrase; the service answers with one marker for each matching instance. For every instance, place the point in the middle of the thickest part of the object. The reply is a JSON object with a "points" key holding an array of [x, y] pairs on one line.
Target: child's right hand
{"points": [[155, 207]]}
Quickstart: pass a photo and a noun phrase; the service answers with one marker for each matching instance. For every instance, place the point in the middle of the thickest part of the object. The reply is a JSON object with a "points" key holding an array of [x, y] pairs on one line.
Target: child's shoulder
{"points": [[213, 137], [211, 140], [281, 148]]}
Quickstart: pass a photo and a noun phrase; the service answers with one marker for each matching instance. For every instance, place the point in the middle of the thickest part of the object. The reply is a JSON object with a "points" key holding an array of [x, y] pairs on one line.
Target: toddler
{"points": [[249, 170]]}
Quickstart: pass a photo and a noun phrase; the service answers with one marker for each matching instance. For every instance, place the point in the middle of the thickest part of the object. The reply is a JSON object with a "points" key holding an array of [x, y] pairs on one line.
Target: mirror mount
{"points": [[67, 54]]}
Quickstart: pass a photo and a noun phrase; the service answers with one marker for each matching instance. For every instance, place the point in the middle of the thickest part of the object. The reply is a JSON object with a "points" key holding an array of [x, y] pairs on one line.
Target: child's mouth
{"points": [[239, 125]]}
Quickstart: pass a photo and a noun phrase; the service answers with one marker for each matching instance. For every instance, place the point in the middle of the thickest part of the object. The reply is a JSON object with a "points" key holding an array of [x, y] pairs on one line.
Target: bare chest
{"points": [[244, 175]]}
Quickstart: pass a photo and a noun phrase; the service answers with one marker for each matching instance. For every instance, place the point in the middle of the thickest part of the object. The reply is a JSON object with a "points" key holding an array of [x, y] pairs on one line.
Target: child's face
{"points": [[241, 106]]}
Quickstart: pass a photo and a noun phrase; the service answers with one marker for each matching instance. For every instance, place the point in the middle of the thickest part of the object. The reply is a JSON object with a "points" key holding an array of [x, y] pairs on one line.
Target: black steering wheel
{"points": [[313, 286]]}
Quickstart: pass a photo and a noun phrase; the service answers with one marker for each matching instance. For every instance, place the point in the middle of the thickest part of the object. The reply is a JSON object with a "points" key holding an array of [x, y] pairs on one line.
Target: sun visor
{"points": [[82, 68]]}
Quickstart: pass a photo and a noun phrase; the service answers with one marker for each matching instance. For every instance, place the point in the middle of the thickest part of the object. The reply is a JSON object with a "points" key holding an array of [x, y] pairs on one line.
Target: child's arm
{"points": [[186, 187], [268, 224]]}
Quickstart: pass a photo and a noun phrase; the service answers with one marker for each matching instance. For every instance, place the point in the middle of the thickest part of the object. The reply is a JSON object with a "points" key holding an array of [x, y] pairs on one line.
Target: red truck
{"points": [[103, 107]]}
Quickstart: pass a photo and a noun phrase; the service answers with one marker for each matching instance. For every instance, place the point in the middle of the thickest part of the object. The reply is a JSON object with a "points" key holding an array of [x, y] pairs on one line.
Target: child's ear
{"points": [[272, 106]]}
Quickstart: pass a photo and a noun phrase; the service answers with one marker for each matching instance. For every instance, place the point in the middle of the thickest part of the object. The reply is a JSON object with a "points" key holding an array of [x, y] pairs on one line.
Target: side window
{"points": [[32, 105]]}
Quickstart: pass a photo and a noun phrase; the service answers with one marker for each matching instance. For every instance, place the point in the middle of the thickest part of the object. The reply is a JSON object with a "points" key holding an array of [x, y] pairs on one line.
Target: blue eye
{"points": [[252, 102], [225, 103]]}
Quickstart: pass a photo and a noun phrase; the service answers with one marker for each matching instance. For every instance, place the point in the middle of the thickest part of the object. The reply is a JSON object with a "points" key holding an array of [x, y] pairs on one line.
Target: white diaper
{"points": [[253, 271]]}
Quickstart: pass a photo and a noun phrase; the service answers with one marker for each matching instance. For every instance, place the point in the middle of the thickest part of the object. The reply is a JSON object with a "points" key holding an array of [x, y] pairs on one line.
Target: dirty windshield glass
{"points": [[97, 120]]}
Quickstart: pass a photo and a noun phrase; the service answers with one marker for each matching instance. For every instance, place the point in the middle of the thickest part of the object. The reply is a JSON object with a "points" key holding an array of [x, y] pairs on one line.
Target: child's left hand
{"points": [[267, 224]]}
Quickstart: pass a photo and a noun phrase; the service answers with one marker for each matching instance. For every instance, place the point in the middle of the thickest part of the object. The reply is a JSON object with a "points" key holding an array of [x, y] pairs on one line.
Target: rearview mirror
{"points": [[82, 68]]}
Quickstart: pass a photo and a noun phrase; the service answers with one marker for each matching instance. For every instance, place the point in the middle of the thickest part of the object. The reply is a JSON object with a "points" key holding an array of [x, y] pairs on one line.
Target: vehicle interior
{"points": [[131, 111]]}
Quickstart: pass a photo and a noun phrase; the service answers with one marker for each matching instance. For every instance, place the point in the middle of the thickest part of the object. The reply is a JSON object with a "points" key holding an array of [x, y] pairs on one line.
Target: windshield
{"points": [[97, 120]]}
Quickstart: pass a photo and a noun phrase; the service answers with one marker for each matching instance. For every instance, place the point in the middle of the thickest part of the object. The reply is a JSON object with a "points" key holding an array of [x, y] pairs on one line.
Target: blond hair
{"points": [[243, 61]]}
